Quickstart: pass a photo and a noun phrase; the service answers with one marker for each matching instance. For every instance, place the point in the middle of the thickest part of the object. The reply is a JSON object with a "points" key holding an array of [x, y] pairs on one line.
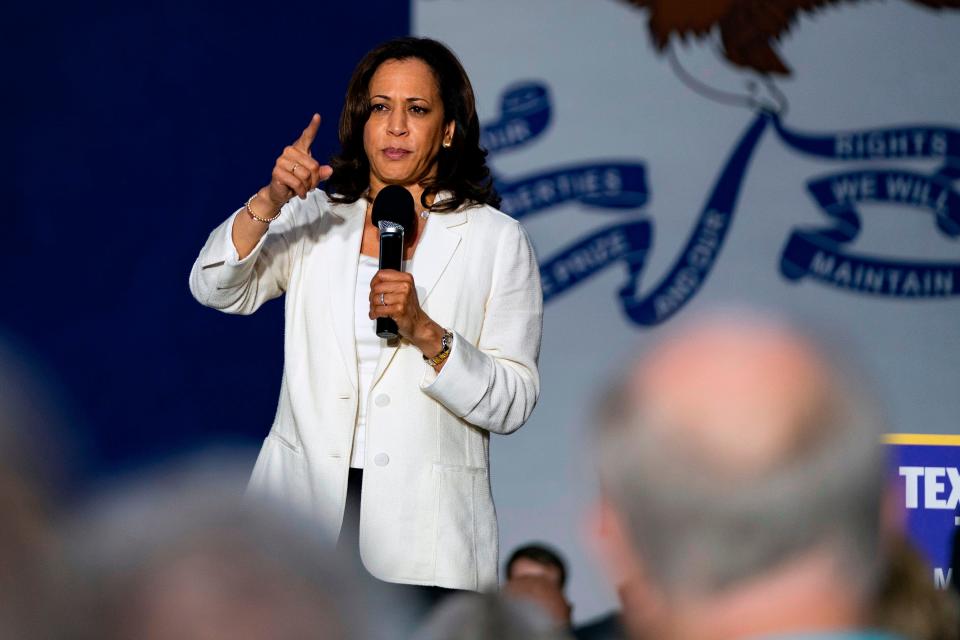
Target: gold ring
{"points": [[294, 169], [382, 302]]}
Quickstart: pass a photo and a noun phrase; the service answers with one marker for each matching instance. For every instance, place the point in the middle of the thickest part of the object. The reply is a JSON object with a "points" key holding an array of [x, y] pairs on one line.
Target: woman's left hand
{"points": [[393, 294]]}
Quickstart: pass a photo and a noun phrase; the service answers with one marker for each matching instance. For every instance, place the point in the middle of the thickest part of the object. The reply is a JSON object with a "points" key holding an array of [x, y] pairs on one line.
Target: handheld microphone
{"points": [[393, 213]]}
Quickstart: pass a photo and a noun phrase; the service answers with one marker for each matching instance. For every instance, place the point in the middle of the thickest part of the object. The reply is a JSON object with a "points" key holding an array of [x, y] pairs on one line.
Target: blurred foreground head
{"points": [[32, 441], [743, 474], [183, 554], [487, 616]]}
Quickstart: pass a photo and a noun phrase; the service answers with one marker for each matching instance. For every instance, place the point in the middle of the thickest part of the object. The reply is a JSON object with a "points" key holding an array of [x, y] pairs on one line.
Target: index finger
{"points": [[306, 138]]}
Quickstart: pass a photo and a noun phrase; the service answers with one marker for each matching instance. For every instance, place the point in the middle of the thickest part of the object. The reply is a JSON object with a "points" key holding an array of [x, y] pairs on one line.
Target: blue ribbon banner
{"points": [[610, 185], [603, 185], [628, 242], [818, 253], [917, 141], [617, 186], [691, 268], [809, 253], [524, 115]]}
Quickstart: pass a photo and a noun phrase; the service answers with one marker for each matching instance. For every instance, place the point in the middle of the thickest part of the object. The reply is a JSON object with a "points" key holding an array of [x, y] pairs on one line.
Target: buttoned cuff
{"points": [[463, 380]]}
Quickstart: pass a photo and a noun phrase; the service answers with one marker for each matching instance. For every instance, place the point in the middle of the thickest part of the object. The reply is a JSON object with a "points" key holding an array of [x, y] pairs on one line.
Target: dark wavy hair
{"points": [[461, 168], [541, 554]]}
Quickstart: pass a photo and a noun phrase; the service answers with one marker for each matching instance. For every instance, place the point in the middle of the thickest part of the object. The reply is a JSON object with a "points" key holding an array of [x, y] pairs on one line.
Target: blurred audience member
{"points": [[955, 563], [30, 426], [605, 627], [909, 604], [537, 573], [608, 626], [490, 616], [742, 472], [637, 597], [183, 555]]}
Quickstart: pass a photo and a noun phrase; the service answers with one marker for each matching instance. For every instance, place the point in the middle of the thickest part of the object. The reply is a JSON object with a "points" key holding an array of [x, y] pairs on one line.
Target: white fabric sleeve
{"points": [[219, 279], [495, 384]]}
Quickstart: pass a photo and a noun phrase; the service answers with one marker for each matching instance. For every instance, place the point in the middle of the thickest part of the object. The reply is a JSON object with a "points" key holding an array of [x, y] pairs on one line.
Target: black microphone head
{"points": [[395, 204]]}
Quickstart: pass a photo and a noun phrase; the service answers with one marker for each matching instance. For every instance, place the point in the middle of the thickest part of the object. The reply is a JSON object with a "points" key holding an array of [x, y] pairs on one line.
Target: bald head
{"points": [[735, 395], [735, 445]]}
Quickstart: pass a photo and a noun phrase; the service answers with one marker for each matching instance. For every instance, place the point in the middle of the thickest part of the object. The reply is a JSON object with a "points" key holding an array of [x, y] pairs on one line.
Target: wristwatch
{"points": [[446, 342]]}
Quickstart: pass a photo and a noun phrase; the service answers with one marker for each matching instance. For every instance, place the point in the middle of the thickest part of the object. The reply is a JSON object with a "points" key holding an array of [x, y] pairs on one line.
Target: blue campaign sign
{"points": [[927, 469]]}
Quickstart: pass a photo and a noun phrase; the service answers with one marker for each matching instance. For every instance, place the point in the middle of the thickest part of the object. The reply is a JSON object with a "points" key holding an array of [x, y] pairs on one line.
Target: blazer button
{"points": [[381, 460], [382, 400]]}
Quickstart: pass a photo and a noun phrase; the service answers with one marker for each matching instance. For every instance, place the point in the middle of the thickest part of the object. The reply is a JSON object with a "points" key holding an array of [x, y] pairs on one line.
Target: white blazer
{"points": [[426, 513]]}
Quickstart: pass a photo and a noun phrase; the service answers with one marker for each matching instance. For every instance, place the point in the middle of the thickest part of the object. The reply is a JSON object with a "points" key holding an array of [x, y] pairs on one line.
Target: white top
{"points": [[368, 350]]}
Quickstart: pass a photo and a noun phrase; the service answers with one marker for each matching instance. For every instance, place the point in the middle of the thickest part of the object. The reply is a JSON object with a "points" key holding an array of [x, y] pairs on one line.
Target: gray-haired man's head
{"points": [[735, 446]]}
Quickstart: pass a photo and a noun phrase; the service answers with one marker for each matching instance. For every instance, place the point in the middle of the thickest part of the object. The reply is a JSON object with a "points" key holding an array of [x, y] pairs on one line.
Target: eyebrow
{"points": [[413, 99]]}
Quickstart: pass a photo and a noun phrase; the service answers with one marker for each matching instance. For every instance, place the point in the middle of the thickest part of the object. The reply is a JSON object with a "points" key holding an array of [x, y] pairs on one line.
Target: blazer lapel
{"points": [[434, 251], [342, 255], [439, 242]]}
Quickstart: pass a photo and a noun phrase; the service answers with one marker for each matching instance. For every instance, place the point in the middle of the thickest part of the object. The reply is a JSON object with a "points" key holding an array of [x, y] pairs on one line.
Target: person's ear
{"points": [[448, 130], [609, 540]]}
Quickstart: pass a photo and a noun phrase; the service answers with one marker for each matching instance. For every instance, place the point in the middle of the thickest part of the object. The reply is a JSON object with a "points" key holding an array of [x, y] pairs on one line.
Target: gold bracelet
{"points": [[446, 342], [255, 216]]}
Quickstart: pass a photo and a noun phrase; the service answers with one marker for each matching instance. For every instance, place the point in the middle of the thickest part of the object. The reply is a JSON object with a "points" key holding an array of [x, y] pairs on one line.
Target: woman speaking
{"points": [[396, 430]]}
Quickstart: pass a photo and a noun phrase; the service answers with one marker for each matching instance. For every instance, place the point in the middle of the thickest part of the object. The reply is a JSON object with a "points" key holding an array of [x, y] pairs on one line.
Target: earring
{"points": [[446, 144]]}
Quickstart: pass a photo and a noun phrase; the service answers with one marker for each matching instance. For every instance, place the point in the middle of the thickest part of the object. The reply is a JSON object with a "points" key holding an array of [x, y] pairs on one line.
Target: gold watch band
{"points": [[446, 343]]}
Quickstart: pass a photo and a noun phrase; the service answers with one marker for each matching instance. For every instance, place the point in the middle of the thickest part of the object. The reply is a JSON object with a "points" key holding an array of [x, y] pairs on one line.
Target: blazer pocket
{"points": [[280, 475], [456, 546], [284, 441]]}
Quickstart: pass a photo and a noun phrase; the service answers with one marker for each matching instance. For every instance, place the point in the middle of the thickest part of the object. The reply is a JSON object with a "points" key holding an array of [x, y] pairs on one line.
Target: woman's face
{"points": [[403, 134]]}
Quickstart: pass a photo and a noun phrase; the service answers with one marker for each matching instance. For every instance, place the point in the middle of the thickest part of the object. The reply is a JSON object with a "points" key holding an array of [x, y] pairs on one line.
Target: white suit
{"points": [[427, 514]]}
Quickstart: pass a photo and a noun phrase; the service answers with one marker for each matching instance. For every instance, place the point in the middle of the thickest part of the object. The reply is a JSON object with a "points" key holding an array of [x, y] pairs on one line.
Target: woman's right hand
{"points": [[296, 172]]}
